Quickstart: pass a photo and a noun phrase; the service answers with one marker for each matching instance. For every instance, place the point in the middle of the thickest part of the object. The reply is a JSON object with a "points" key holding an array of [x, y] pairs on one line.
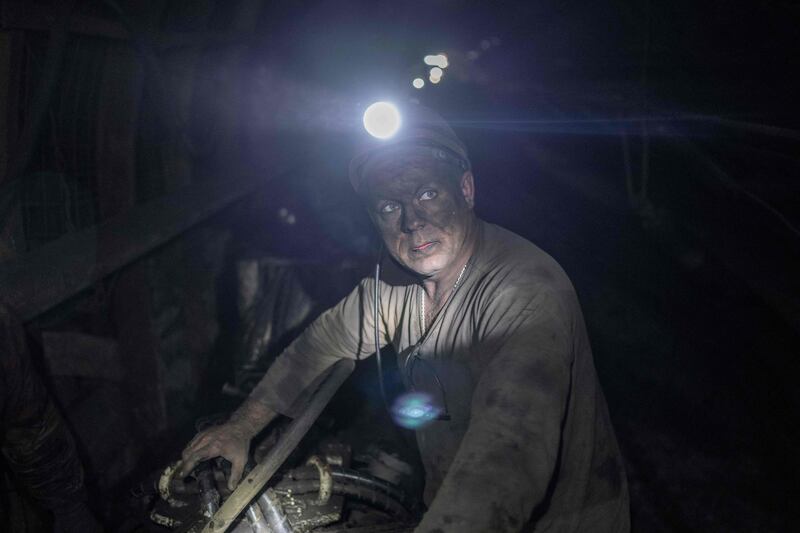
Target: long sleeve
{"points": [[344, 331], [507, 458]]}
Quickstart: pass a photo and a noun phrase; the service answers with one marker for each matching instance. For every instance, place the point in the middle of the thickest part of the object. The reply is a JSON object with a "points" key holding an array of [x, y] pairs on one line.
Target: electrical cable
{"points": [[445, 416], [347, 475], [376, 305]]}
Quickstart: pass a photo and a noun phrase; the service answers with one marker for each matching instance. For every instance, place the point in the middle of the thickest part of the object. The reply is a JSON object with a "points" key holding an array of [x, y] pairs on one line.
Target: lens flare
{"points": [[418, 83], [382, 120], [436, 60], [414, 410]]}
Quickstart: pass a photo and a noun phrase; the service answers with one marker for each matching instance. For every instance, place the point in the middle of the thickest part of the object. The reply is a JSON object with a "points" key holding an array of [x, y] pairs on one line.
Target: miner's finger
{"points": [[186, 466], [204, 445], [237, 467], [191, 460], [198, 441]]}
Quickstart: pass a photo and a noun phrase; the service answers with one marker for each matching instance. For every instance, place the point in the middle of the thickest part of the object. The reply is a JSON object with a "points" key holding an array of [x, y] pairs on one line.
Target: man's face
{"points": [[422, 212]]}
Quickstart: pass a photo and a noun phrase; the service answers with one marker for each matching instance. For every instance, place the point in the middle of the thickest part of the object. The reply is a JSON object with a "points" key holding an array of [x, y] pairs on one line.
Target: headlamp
{"points": [[418, 129], [382, 120]]}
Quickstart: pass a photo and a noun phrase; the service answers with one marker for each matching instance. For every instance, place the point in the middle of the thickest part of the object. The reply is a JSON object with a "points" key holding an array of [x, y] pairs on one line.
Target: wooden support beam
{"points": [[41, 279], [227, 112], [117, 116], [177, 82], [24, 147], [43, 94], [11, 52], [130, 305], [6, 90]]}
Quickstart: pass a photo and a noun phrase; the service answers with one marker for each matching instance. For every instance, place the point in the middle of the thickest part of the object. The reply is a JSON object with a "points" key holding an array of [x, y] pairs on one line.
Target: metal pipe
{"points": [[209, 496], [251, 485], [256, 520], [273, 512]]}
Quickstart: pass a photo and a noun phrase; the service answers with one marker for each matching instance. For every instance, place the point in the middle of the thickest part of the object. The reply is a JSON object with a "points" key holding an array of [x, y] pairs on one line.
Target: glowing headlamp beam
{"points": [[382, 120]]}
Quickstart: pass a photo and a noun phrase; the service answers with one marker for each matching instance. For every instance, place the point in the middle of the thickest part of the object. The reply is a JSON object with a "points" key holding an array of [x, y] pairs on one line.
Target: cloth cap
{"points": [[421, 128]]}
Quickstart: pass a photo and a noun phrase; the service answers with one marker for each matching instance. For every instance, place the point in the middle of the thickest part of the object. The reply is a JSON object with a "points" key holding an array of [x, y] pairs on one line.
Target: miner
{"points": [[488, 326]]}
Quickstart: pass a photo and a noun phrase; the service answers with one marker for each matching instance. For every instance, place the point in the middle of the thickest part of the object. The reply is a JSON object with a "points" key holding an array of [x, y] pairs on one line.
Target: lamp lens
{"points": [[382, 120]]}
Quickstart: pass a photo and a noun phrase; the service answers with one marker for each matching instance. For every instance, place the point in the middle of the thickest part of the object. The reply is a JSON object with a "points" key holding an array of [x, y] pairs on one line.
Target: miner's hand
{"points": [[230, 441]]}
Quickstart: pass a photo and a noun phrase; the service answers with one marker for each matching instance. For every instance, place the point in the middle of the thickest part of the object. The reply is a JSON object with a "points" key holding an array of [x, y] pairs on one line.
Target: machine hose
{"points": [[346, 475], [354, 486]]}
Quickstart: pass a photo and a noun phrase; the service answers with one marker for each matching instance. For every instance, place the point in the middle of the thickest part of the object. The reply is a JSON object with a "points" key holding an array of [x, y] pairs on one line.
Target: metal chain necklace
{"points": [[422, 296]]}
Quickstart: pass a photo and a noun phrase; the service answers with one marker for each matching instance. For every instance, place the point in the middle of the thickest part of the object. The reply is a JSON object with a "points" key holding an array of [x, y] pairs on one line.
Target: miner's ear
{"points": [[467, 187]]}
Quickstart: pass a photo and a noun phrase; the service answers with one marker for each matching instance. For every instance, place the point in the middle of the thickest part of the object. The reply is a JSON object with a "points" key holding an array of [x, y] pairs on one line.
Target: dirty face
{"points": [[423, 211]]}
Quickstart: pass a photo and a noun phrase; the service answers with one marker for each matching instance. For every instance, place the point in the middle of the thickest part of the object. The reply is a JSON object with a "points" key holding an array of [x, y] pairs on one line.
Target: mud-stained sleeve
{"points": [[343, 331], [35, 442], [507, 457]]}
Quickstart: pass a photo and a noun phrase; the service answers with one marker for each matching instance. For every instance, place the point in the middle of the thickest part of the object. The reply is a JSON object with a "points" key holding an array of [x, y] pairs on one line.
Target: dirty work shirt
{"points": [[529, 446]]}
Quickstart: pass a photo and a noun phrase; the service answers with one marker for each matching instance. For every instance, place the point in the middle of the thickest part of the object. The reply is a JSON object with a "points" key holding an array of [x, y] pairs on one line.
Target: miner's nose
{"points": [[412, 220]]}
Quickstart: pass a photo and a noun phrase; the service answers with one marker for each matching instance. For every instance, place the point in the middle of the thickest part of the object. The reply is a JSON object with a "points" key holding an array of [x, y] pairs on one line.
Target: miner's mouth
{"points": [[424, 246]]}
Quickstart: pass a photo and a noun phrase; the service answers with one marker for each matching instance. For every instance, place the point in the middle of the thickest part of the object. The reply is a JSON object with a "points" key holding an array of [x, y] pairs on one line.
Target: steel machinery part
{"points": [[252, 485]]}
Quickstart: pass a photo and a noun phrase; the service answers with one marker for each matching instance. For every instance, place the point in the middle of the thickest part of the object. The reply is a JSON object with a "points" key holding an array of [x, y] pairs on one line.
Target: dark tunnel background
{"points": [[152, 150]]}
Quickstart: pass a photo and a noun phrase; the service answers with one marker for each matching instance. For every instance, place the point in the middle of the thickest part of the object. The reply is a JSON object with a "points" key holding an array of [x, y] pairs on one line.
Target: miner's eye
{"points": [[388, 207], [427, 195]]}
